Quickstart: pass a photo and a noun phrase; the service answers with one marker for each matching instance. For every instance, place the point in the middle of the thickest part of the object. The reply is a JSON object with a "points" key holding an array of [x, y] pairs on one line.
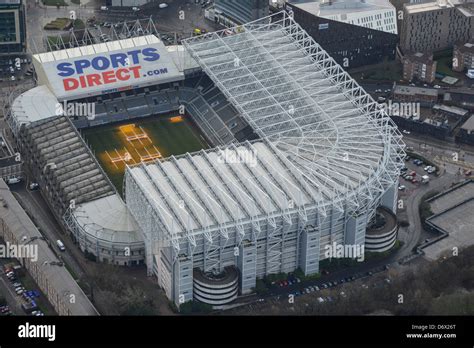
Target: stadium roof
{"points": [[325, 142], [34, 105], [107, 219], [96, 48]]}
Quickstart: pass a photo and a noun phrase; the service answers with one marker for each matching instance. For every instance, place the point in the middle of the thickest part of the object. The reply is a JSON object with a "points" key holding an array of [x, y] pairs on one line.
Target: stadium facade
{"points": [[302, 156]]}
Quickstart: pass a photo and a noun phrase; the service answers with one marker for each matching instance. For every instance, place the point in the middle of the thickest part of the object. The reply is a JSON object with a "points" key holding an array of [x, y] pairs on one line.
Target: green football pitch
{"points": [[134, 141]]}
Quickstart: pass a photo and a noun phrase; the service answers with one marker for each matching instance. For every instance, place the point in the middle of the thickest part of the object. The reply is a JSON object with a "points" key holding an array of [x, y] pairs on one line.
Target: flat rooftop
{"points": [[458, 222], [408, 90], [336, 7], [469, 124], [429, 6], [453, 214], [452, 197]]}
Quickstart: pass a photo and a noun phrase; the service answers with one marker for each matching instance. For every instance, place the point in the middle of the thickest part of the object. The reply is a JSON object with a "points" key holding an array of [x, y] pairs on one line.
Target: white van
{"points": [[12, 181], [60, 245]]}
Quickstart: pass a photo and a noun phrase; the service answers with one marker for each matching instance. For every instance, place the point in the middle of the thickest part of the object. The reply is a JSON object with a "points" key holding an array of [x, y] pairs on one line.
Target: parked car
{"points": [[12, 181]]}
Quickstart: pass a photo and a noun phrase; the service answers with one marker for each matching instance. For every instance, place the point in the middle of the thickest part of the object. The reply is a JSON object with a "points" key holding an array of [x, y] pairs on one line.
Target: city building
{"points": [[440, 121], [354, 33], [463, 56], [419, 66], [299, 156], [435, 26], [373, 14], [240, 11], [466, 132], [463, 98], [425, 96], [12, 27]]}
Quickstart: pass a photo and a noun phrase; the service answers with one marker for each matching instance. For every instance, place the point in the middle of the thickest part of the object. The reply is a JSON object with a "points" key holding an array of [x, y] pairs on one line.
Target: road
{"points": [[443, 152], [38, 210]]}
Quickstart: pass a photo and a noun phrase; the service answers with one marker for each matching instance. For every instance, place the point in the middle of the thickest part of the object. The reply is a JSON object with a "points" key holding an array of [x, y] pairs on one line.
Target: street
{"points": [[39, 212]]}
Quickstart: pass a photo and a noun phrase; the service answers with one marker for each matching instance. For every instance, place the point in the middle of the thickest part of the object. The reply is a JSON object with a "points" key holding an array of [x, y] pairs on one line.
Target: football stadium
{"points": [[238, 154]]}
